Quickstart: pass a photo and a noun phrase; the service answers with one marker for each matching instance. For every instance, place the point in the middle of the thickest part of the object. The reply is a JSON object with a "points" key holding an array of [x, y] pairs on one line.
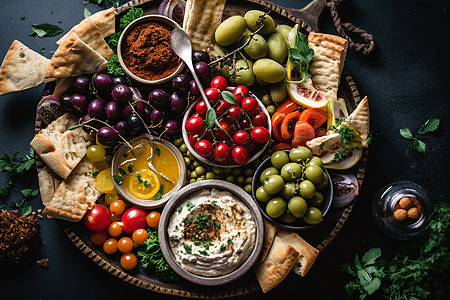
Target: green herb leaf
{"points": [[45, 29], [218, 224], [202, 221], [122, 171], [42, 50], [87, 13], [4, 190], [130, 168], [211, 117], [158, 151], [131, 15], [115, 3], [187, 248], [203, 252], [406, 133], [214, 202], [26, 210], [14, 168], [429, 126], [189, 205], [179, 209], [371, 256], [86, 2], [302, 56], [229, 97], [118, 179], [230, 242], [147, 184], [23, 18], [160, 192], [419, 146], [139, 178], [222, 248]]}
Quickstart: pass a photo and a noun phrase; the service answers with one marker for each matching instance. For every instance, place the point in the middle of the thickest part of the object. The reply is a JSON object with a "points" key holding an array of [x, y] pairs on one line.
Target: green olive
{"points": [[315, 160], [276, 207], [279, 159], [248, 188], [273, 184], [291, 171], [307, 189], [265, 99], [252, 18], [243, 72], [314, 173], [230, 30], [271, 109], [288, 191], [236, 172], [297, 206], [177, 142], [187, 161], [194, 175], [183, 148], [324, 183], [300, 153], [248, 180], [248, 172], [287, 218], [257, 47], [216, 170], [240, 179], [200, 170], [267, 172], [230, 178], [317, 200], [210, 175], [261, 195], [313, 216]]}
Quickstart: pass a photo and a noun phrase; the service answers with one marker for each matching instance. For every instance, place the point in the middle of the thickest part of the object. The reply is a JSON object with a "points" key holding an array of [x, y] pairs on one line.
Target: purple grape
{"points": [[112, 111], [121, 93], [135, 94], [103, 82], [81, 84], [107, 136], [156, 116], [195, 92], [134, 124], [181, 84], [79, 101], [198, 56], [67, 102], [202, 70], [177, 103], [159, 98], [146, 115], [126, 112], [119, 79], [139, 108], [172, 127], [96, 108], [122, 128]]}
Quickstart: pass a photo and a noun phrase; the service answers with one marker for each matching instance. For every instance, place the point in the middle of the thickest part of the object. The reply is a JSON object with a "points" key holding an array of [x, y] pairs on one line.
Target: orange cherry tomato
{"points": [[139, 236], [110, 246], [125, 244], [117, 207], [153, 219], [128, 261], [98, 238], [115, 229]]}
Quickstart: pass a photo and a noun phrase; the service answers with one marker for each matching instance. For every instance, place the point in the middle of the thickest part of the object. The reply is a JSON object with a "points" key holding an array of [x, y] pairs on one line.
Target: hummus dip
{"points": [[211, 233]]}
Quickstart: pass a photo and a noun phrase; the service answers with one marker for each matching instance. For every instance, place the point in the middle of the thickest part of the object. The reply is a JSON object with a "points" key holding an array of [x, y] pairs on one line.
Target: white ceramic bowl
{"points": [[122, 191], [143, 19]]}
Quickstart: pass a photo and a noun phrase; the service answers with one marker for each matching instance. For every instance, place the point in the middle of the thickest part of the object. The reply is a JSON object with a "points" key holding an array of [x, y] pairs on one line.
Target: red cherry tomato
{"points": [[241, 137], [222, 153], [222, 107], [244, 122], [133, 218], [99, 237], [235, 112], [204, 148], [193, 139], [260, 135], [201, 109], [219, 82], [98, 218], [221, 133], [195, 125], [240, 92], [260, 119], [240, 155], [213, 94], [250, 105]]}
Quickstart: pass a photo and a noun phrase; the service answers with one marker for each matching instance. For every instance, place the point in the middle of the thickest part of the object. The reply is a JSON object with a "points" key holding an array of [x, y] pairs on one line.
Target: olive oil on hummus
{"points": [[212, 233]]}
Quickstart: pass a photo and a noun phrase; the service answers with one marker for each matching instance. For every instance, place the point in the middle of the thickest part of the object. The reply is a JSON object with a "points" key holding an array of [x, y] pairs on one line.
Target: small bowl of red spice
{"points": [[145, 52]]}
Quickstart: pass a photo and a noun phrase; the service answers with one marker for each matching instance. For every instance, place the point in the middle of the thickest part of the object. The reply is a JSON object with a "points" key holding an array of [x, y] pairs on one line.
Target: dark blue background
{"points": [[406, 80]]}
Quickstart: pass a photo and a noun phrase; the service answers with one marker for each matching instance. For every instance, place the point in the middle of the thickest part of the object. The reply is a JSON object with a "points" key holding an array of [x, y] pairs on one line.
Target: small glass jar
{"points": [[386, 202]]}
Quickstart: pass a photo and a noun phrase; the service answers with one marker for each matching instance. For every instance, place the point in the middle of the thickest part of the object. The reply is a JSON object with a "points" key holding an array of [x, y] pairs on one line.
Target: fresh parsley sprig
{"points": [[302, 55], [429, 126]]}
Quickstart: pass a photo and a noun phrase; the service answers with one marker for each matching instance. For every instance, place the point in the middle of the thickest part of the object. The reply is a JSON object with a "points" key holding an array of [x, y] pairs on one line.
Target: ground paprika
{"points": [[147, 52]]}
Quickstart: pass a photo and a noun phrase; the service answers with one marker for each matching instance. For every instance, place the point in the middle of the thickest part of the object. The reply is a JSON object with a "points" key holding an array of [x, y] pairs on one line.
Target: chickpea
{"points": [[401, 215], [405, 203], [413, 213]]}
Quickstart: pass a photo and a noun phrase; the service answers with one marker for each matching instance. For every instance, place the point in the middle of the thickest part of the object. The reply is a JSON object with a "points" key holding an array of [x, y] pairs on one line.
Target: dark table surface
{"points": [[406, 80]]}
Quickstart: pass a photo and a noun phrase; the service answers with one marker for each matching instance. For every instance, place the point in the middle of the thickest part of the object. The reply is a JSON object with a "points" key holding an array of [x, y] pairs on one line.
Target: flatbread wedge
{"points": [[62, 149], [359, 119], [276, 266], [201, 19], [75, 195], [105, 21], [22, 68], [269, 234], [48, 184], [89, 34], [307, 253], [74, 57]]}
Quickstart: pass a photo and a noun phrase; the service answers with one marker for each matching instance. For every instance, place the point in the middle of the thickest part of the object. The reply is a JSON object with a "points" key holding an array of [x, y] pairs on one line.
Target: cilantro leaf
{"points": [[301, 55], [87, 13], [26, 210], [45, 29], [406, 133], [429, 126]]}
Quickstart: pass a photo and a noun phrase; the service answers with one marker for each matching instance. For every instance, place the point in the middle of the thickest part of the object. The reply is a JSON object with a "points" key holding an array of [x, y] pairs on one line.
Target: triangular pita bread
{"points": [[105, 21], [359, 119], [74, 57], [269, 234], [22, 68]]}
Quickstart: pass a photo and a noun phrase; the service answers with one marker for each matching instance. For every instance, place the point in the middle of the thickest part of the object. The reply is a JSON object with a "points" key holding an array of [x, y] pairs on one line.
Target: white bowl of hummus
{"points": [[211, 232]]}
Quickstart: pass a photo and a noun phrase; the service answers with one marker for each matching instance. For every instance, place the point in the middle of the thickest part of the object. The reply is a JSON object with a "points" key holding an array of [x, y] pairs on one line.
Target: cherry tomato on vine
{"points": [[222, 133], [204, 148], [193, 139], [128, 261], [213, 94], [219, 82], [115, 229], [241, 137], [195, 125], [153, 219], [235, 112], [250, 105], [98, 238], [110, 246], [133, 218], [139, 236], [260, 119], [125, 244], [201, 109], [222, 107], [117, 207], [260, 134], [222, 153], [240, 155], [97, 218], [240, 92]]}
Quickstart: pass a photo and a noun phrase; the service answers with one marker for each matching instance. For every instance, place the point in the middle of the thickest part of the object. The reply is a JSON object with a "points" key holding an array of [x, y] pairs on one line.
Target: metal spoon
{"points": [[152, 167], [182, 46]]}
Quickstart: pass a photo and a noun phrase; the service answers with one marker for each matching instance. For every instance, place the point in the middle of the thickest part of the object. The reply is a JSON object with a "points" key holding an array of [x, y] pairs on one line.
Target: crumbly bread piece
{"points": [[89, 34], [62, 149], [22, 68], [276, 266], [269, 234], [74, 57], [201, 18], [75, 195], [359, 119], [48, 184], [327, 63], [307, 253]]}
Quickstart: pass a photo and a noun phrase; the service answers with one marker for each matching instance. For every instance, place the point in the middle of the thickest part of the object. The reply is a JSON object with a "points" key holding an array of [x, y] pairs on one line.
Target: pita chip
{"points": [[307, 253], [276, 266], [22, 68], [269, 234], [105, 21], [359, 119], [74, 57]]}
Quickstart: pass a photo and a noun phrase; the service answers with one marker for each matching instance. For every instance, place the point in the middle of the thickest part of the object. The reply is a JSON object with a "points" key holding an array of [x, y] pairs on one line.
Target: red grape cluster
{"points": [[244, 125]]}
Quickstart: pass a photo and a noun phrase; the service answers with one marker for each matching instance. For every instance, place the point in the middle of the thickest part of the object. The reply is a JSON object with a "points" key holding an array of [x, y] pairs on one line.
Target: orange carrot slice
{"points": [[288, 125], [287, 106], [314, 116], [303, 132]]}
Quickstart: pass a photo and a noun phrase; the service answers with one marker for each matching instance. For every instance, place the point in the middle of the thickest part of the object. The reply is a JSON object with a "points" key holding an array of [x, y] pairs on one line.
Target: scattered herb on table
{"points": [[86, 2], [417, 272], [87, 13], [152, 258], [34, 191], [23, 18], [9, 164], [45, 29], [429, 126]]}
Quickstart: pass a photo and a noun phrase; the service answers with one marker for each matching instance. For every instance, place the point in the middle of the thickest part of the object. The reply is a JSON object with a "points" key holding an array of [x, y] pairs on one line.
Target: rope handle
{"points": [[344, 28]]}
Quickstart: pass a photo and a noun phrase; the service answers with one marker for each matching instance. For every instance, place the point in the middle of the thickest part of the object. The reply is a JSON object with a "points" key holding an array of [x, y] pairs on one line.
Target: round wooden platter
{"points": [[319, 236]]}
